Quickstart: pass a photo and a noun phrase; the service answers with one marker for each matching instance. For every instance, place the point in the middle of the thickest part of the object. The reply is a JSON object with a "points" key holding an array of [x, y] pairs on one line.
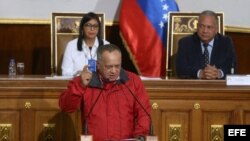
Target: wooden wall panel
{"points": [[55, 125], [242, 48], [214, 119], [30, 43], [196, 105], [247, 119], [9, 124], [176, 124]]}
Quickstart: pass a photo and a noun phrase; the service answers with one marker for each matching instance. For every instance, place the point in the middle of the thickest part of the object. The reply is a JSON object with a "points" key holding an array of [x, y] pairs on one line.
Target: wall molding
{"points": [[24, 21], [237, 29], [107, 23]]}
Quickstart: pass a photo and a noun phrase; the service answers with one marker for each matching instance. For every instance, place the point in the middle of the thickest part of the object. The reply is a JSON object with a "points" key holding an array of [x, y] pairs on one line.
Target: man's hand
{"points": [[86, 76], [211, 72]]}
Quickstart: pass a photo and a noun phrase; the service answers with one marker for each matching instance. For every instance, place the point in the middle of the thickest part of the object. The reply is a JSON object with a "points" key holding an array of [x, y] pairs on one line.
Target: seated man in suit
{"points": [[206, 54]]}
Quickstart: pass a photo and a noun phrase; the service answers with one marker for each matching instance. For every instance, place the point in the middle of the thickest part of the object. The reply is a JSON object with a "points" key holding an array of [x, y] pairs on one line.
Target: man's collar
{"points": [[97, 82], [210, 44]]}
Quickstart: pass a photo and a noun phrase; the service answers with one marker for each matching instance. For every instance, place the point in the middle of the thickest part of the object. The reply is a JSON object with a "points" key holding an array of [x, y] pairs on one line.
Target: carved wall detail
{"points": [[174, 132], [5, 130], [185, 24], [217, 133], [49, 132]]}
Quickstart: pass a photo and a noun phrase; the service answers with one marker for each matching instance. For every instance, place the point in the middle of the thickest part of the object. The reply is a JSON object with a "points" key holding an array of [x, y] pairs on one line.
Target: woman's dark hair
{"points": [[87, 17]]}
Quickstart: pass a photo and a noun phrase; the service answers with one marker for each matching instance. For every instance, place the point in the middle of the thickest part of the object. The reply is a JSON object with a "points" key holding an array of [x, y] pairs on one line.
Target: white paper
{"points": [[59, 77], [150, 78], [238, 80]]}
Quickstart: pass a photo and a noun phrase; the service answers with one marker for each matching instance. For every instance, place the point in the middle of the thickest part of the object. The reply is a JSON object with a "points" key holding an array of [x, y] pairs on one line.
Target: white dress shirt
{"points": [[209, 48], [74, 60]]}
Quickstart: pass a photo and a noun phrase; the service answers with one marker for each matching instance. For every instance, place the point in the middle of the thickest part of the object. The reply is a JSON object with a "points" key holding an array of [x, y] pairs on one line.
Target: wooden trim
{"points": [[24, 21], [237, 29], [107, 23]]}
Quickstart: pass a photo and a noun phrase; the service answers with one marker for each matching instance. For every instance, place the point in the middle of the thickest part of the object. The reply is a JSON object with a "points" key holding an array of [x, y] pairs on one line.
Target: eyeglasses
{"points": [[91, 26]]}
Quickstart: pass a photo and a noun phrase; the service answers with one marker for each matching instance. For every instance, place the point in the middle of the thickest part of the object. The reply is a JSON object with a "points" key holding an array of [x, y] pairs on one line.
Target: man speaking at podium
{"points": [[114, 102]]}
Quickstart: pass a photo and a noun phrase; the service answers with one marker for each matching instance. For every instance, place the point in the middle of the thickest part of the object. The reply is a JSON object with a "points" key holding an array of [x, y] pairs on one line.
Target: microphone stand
{"points": [[85, 136], [151, 136]]}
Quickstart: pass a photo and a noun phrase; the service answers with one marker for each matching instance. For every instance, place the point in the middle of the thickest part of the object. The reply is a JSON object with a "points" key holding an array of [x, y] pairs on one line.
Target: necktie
{"points": [[206, 55]]}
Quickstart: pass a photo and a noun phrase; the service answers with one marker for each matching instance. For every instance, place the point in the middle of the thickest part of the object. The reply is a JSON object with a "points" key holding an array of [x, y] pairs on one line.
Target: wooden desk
{"points": [[186, 110]]}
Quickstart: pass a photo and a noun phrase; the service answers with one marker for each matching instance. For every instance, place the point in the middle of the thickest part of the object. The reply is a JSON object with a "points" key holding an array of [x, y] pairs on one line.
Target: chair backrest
{"points": [[65, 27], [182, 24]]}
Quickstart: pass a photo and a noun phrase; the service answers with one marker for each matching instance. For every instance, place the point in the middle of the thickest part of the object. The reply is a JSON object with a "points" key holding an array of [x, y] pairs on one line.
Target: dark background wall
{"points": [[30, 43]]}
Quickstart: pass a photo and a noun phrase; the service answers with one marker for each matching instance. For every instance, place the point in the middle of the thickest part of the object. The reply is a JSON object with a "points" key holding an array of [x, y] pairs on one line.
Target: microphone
{"points": [[232, 69], [90, 111], [90, 48], [151, 128]]}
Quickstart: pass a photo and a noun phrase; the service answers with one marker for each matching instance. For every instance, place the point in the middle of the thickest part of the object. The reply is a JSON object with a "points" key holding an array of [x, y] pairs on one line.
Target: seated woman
{"points": [[83, 48]]}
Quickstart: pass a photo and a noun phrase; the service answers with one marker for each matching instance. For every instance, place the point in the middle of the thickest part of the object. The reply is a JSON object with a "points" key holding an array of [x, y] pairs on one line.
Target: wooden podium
{"points": [[151, 138], [188, 110]]}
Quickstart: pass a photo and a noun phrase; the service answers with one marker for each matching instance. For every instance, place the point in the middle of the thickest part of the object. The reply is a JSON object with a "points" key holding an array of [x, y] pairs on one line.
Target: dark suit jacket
{"points": [[189, 58]]}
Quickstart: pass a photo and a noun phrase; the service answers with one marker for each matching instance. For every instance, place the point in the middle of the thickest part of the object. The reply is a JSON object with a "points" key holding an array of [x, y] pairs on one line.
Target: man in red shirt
{"points": [[113, 101]]}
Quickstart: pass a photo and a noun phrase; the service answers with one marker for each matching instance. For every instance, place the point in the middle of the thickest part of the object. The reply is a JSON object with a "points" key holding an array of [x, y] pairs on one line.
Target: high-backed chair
{"points": [[182, 24], [65, 27]]}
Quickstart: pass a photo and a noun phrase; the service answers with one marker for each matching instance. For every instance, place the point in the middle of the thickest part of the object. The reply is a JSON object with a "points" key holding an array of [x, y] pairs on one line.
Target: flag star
{"points": [[165, 7], [165, 17], [161, 24]]}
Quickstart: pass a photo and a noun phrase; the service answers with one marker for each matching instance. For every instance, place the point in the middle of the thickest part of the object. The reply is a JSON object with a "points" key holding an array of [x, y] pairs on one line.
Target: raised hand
{"points": [[86, 76]]}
